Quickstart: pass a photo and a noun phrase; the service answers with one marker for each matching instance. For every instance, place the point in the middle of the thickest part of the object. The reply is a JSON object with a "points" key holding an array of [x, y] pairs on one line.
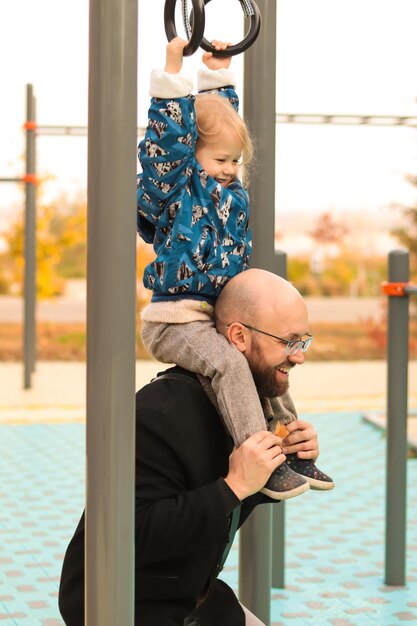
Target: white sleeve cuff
{"points": [[165, 85], [214, 79]]}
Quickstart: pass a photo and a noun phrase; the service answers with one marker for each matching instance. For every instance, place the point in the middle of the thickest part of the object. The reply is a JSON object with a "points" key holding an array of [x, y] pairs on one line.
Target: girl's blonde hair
{"points": [[213, 114]]}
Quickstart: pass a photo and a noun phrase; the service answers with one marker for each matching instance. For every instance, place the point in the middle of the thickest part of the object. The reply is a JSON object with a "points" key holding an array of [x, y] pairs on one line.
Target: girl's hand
{"points": [[217, 63], [174, 55]]}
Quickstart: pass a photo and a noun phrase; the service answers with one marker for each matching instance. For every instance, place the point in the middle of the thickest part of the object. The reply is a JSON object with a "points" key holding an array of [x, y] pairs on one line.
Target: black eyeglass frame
{"points": [[302, 344]]}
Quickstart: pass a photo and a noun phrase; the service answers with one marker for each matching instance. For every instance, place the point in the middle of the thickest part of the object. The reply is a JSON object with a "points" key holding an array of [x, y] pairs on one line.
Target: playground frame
{"points": [[111, 293], [30, 180], [29, 281]]}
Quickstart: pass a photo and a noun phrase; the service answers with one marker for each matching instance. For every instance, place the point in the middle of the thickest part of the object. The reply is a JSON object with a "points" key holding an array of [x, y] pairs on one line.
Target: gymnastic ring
{"points": [[197, 24], [250, 37]]}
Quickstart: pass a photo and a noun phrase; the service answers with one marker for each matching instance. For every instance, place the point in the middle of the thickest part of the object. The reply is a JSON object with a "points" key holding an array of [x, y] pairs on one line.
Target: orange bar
{"points": [[31, 179], [395, 289], [30, 125]]}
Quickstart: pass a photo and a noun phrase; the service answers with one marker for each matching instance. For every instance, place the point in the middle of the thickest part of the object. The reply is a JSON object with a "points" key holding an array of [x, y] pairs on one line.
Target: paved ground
{"points": [[58, 392], [335, 541], [334, 562]]}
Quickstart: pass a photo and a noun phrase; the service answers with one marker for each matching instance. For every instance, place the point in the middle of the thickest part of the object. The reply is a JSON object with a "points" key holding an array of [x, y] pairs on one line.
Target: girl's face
{"points": [[220, 158]]}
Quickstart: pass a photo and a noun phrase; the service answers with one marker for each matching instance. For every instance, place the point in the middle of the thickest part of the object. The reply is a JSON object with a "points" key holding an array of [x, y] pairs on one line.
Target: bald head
{"points": [[254, 296]]}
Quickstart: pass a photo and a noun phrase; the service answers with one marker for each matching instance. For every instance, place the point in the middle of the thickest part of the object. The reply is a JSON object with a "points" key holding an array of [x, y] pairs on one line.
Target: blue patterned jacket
{"points": [[198, 228]]}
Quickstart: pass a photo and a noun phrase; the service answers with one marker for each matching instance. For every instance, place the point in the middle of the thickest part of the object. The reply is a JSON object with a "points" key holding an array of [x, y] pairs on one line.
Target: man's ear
{"points": [[237, 335]]}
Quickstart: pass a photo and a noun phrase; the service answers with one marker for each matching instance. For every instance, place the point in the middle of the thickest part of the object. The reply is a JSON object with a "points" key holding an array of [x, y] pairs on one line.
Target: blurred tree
{"points": [[61, 236], [69, 227], [327, 231], [328, 236], [338, 276], [61, 244], [4, 281]]}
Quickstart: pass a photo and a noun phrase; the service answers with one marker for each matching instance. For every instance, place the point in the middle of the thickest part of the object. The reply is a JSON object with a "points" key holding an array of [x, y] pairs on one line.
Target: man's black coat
{"points": [[183, 508]]}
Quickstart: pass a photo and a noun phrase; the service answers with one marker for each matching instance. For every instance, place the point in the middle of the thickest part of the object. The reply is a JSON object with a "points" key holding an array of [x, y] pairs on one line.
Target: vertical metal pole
{"points": [[111, 286], [255, 563], [397, 404], [29, 289], [278, 511], [259, 109], [278, 545], [281, 265]]}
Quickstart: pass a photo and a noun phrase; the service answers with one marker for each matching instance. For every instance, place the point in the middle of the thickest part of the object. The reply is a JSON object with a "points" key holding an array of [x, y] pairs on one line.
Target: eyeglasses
{"points": [[292, 346]]}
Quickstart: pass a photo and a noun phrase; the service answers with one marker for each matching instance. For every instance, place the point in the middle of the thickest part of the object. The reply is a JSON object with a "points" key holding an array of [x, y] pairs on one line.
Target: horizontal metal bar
{"points": [[72, 131], [11, 180], [280, 118], [346, 119], [62, 130], [410, 289]]}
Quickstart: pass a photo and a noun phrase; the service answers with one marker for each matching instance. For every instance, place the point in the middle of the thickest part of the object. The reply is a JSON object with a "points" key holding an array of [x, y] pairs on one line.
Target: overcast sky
{"points": [[334, 56]]}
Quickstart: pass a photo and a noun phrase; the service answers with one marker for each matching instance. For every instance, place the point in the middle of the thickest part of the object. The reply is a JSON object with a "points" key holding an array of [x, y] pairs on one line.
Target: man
{"points": [[192, 489]]}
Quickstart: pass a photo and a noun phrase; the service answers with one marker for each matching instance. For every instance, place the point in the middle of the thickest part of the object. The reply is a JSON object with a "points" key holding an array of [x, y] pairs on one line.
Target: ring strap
{"points": [[247, 7]]}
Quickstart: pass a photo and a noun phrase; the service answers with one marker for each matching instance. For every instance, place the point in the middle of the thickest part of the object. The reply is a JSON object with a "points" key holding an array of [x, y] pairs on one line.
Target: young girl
{"points": [[194, 209]]}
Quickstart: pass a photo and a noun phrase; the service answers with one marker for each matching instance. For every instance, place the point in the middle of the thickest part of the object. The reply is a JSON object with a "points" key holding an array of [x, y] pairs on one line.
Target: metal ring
{"points": [[198, 22], [250, 38]]}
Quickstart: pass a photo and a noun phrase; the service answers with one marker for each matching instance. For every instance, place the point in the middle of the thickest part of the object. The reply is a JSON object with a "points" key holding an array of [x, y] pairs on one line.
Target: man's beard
{"points": [[264, 375]]}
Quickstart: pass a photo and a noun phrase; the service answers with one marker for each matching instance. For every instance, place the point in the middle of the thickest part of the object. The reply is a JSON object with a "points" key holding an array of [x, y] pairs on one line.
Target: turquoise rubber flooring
{"points": [[334, 541]]}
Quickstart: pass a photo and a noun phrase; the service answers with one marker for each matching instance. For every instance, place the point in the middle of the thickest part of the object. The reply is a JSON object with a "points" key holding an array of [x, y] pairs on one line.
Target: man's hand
{"points": [[217, 63], [174, 55], [253, 462], [302, 439]]}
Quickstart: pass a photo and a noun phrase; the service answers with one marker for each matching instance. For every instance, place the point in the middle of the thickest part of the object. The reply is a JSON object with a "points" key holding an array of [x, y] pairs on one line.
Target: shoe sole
{"points": [[286, 495], [318, 485]]}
